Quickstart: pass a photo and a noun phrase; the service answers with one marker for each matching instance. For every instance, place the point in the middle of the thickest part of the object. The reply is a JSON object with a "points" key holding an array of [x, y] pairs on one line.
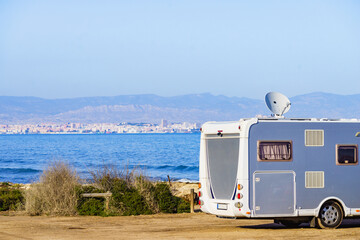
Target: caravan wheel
{"points": [[330, 215]]}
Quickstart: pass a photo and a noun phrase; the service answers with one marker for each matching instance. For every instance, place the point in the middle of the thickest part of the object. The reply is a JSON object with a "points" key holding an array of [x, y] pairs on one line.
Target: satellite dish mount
{"points": [[278, 104]]}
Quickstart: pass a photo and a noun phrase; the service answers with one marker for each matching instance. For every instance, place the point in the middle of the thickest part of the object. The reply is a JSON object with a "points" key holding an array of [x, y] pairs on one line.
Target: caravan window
{"points": [[346, 154], [274, 150]]}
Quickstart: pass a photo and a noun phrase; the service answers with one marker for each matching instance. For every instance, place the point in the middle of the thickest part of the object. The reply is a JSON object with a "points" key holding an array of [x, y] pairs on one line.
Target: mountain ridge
{"points": [[152, 108]]}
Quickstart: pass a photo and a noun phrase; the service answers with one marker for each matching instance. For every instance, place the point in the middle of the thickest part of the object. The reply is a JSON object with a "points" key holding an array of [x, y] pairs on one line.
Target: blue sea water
{"points": [[24, 157]]}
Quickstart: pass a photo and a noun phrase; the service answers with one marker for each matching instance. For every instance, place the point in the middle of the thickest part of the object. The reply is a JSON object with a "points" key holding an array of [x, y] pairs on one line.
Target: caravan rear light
{"points": [[200, 129], [238, 205], [201, 202], [239, 195], [239, 187], [199, 185], [239, 128], [199, 194]]}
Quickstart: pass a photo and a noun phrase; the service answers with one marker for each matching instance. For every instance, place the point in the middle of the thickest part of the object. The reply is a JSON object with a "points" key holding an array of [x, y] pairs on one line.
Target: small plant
{"points": [[10, 198]]}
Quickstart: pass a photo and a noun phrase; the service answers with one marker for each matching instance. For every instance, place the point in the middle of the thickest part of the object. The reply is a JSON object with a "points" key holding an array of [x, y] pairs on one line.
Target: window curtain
{"points": [[275, 151]]}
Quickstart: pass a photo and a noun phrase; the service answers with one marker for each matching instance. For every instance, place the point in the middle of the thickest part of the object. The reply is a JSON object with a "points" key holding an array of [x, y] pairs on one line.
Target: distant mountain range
{"points": [[152, 108]]}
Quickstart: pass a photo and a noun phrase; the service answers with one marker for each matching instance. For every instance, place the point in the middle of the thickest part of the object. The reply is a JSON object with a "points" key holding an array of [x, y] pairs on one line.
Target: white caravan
{"points": [[289, 170]]}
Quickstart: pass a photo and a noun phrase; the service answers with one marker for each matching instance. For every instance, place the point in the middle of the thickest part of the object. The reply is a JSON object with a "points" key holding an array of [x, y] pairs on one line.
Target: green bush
{"points": [[134, 194], [146, 188], [90, 206], [183, 206], [166, 201], [127, 199], [10, 199]]}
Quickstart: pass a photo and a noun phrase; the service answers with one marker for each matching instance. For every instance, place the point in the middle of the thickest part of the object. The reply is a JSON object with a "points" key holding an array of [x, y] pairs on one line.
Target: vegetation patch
{"points": [[134, 194], [168, 203], [90, 206], [55, 193], [127, 200], [11, 197], [59, 192]]}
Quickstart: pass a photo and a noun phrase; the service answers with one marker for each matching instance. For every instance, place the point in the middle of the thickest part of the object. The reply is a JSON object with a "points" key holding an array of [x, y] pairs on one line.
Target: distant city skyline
{"points": [[69, 49], [99, 128]]}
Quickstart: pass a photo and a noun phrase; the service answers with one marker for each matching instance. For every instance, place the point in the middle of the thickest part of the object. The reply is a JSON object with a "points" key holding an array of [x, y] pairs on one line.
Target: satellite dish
{"points": [[277, 103]]}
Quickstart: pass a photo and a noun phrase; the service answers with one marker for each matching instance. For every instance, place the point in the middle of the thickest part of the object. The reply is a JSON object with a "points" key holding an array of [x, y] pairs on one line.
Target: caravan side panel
{"points": [[318, 163]]}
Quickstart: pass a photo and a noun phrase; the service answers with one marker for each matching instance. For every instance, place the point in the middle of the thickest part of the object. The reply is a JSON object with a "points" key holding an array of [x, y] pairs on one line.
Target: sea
{"points": [[24, 157]]}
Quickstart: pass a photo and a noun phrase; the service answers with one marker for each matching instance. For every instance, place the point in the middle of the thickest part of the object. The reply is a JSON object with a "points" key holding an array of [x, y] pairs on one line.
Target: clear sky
{"points": [[74, 48]]}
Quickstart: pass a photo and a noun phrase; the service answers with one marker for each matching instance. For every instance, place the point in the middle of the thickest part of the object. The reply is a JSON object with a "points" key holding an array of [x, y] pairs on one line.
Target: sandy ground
{"points": [[16, 225], [162, 226]]}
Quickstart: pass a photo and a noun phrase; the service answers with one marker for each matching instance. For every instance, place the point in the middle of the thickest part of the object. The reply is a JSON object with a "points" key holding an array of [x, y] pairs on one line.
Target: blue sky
{"points": [[65, 49]]}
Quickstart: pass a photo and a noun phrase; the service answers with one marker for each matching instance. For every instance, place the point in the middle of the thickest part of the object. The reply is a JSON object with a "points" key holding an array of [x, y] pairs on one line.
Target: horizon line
{"points": [[181, 95]]}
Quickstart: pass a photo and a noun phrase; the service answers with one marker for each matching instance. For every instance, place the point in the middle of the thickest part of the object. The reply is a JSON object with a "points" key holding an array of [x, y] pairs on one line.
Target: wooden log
{"points": [[192, 197], [107, 194], [107, 200], [169, 180]]}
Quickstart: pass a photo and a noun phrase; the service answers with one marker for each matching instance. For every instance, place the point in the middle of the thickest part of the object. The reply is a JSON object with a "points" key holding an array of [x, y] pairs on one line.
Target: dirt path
{"points": [[162, 226]]}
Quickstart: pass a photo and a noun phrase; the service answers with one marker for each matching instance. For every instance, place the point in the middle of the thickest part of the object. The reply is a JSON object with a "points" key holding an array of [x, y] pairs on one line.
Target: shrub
{"points": [[147, 189], [10, 199], [183, 206], [166, 201], [127, 199], [90, 206], [55, 194], [131, 190], [132, 194]]}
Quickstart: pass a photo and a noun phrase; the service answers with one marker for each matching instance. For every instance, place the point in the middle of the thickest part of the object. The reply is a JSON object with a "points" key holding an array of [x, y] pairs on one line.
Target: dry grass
{"points": [[55, 193], [105, 177]]}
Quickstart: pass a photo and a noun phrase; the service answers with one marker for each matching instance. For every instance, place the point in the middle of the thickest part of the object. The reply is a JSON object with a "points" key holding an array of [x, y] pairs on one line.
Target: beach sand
{"points": [[16, 225], [162, 226]]}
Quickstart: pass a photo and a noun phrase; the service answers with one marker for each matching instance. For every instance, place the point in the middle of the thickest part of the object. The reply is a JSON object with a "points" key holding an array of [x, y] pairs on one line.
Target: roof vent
{"points": [[314, 138]]}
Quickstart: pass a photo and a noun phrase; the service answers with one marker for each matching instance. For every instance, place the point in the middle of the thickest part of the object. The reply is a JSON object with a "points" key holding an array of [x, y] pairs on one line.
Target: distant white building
{"points": [[163, 123]]}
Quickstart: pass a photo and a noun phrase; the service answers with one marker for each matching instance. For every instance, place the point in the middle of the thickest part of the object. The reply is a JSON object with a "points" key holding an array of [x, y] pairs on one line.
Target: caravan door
{"points": [[274, 193]]}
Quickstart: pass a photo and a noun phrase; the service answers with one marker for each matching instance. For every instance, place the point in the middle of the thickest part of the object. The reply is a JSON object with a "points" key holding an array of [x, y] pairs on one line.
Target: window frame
{"points": [[274, 160], [356, 155]]}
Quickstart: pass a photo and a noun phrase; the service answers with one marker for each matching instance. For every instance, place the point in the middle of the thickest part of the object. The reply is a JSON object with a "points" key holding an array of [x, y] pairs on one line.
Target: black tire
{"points": [[330, 215], [290, 224]]}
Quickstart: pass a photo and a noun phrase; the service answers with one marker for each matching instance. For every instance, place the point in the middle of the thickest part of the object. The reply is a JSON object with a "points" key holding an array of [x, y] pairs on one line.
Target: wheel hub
{"points": [[329, 215]]}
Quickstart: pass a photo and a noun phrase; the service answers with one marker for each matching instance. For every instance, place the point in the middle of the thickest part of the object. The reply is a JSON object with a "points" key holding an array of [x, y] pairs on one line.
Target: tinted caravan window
{"points": [[346, 154], [274, 150]]}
